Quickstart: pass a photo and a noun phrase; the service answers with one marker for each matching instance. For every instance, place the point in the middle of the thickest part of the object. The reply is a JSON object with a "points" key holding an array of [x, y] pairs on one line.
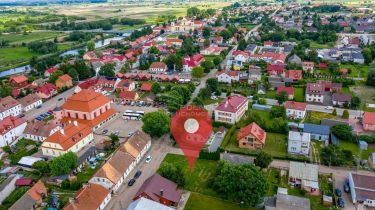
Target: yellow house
{"points": [[72, 137], [64, 81]]}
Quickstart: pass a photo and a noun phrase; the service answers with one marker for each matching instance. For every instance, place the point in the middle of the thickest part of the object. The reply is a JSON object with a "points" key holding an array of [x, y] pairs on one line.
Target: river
{"points": [[26, 68]]}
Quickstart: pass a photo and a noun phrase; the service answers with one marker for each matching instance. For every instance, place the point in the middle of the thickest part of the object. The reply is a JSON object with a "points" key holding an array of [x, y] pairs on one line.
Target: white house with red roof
{"points": [[228, 76], [288, 90], [9, 107], [173, 42], [295, 75], [251, 137], [10, 129], [158, 67], [308, 66], [49, 71], [241, 56], [89, 55], [232, 109], [269, 57], [213, 50], [189, 62], [46, 91], [295, 110], [368, 121]]}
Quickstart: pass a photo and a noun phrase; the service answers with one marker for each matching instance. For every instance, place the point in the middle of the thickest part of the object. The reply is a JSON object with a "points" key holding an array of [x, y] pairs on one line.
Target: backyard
{"points": [[316, 117], [299, 94], [199, 201]]}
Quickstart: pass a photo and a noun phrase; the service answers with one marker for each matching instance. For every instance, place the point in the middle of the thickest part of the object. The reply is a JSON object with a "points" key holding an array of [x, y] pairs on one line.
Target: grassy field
{"points": [[316, 117], [365, 93], [356, 70], [199, 201], [30, 37], [355, 149], [315, 45], [299, 94], [196, 180]]}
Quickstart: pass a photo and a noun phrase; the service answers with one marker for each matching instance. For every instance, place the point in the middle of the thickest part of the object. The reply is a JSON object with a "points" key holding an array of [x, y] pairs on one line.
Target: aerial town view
{"points": [[187, 104]]}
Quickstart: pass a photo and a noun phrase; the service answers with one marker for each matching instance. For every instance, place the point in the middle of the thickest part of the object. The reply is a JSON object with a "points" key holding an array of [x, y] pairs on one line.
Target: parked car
{"points": [[148, 159], [338, 192], [346, 186], [329, 107], [59, 99], [131, 182], [137, 174], [130, 134], [38, 107], [105, 131], [340, 202]]}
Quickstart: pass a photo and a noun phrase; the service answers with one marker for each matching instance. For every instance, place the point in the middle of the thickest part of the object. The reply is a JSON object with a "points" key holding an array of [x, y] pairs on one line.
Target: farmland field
{"points": [[30, 37]]}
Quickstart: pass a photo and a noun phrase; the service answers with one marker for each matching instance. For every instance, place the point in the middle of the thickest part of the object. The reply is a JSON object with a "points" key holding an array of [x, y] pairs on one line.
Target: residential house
{"points": [[64, 81], [146, 87], [126, 96], [315, 92], [158, 67], [125, 85], [317, 132], [287, 202], [295, 110], [299, 143], [341, 99], [49, 72], [212, 50], [11, 128], [9, 107], [72, 138], [173, 42], [251, 137], [231, 109], [88, 107], [308, 66], [18, 81], [362, 190], [39, 130], [32, 198], [144, 203], [268, 43], [294, 59], [89, 55], [294, 75], [368, 121], [275, 69], [114, 172], [305, 176], [91, 196], [186, 24], [255, 74], [269, 57], [251, 48], [216, 40], [160, 189], [228, 76], [46, 91], [137, 145], [8, 186], [189, 62], [30, 102], [240, 56], [288, 90]]}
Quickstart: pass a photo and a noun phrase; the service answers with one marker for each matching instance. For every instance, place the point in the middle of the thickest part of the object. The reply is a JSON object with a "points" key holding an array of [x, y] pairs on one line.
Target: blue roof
{"points": [[316, 129], [334, 140]]}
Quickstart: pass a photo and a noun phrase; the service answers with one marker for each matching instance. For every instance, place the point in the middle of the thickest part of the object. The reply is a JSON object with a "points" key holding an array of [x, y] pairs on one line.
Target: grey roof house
{"points": [[317, 132], [340, 99], [294, 59], [287, 202]]}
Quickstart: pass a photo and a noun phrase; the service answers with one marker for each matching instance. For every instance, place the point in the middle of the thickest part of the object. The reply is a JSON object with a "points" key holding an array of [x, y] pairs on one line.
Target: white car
{"points": [[329, 107], [148, 159]]}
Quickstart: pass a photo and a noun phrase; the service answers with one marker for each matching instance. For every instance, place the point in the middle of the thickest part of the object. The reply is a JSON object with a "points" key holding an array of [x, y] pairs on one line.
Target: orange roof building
{"points": [[64, 81], [251, 137], [71, 138], [32, 198], [90, 197], [88, 107]]}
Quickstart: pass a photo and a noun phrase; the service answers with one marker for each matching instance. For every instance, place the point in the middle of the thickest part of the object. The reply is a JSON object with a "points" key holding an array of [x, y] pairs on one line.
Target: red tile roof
{"points": [[369, 118], [129, 95], [274, 69], [24, 182], [193, 61], [254, 130], [295, 105], [158, 65], [51, 70], [232, 103], [147, 87], [65, 78], [7, 103], [289, 90], [294, 74], [47, 89], [322, 65], [89, 197], [10, 123], [85, 101]]}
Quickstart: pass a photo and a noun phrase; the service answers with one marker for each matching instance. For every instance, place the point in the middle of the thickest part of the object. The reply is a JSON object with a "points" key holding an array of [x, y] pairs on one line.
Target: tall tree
{"points": [[107, 70], [90, 45], [156, 123], [197, 72]]}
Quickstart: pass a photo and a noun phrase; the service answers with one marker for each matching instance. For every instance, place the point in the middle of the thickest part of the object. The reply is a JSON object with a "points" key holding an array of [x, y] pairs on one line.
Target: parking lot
{"points": [[119, 125]]}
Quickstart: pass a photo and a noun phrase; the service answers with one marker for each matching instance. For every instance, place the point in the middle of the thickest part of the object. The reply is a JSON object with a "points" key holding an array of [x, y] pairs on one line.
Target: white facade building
{"points": [[10, 129], [299, 143], [9, 107], [232, 109]]}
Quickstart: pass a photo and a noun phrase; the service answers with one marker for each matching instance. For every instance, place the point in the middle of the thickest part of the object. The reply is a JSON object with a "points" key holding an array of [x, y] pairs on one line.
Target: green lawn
{"points": [[355, 149], [208, 101], [299, 94], [270, 94], [199, 202], [196, 180], [248, 26], [315, 45], [276, 144], [316, 117], [34, 36], [356, 70], [126, 27]]}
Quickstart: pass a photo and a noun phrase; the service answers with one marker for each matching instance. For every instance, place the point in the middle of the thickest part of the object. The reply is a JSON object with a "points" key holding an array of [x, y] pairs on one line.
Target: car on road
{"points": [[340, 202], [59, 99], [21, 115], [105, 131], [131, 182], [137, 174], [38, 107], [338, 192], [329, 107], [148, 159], [130, 134]]}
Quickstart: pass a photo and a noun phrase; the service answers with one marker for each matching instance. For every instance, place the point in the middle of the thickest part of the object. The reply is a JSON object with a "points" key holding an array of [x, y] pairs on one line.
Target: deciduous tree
{"points": [[156, 123]]}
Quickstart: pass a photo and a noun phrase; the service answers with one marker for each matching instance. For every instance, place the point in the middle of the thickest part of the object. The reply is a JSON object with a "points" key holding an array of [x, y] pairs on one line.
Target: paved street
{"points": [[124, 195]]}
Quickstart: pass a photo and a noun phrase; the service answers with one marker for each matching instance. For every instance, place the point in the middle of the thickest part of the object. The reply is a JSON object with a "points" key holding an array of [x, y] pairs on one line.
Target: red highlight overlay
{"points": [[191, 127]]}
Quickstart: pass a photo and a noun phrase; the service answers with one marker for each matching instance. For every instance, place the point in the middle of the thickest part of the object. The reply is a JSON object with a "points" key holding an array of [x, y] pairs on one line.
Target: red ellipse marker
{"points": [[191, 127]]}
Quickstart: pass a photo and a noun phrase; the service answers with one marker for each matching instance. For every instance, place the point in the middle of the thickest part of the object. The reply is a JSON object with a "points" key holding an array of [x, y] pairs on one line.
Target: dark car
{"points": [[105, 131], [338, 192], [346, 186], [137, 174], [59, 99], [131, 182], [340, 202]]}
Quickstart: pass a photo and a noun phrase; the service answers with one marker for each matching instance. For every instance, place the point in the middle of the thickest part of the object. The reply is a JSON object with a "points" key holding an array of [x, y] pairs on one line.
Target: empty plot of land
{"points": [[365, 93]]}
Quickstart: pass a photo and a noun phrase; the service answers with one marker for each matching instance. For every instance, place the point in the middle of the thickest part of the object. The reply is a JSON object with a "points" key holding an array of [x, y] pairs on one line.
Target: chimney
{"points": [[75, 122], [161, 192], [62, 131]]}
